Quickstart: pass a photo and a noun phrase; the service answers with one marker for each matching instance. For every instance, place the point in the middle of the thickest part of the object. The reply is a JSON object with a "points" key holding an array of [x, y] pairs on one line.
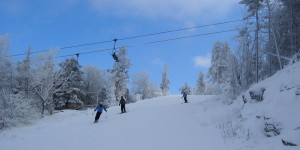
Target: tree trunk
{"points": [[256, 44]]}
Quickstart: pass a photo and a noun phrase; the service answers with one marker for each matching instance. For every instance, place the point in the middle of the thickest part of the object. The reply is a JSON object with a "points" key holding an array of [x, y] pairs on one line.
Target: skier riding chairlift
{"points": [[114, 55]]}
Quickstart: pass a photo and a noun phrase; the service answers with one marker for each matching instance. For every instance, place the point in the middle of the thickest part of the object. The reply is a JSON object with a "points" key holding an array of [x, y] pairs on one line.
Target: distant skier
{"points": [[184, 96], [99, 109], [122, 103]]}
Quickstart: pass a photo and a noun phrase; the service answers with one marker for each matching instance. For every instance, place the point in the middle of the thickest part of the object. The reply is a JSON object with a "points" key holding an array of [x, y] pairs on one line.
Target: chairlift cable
{"points": [[154, 42], [132, 37]]}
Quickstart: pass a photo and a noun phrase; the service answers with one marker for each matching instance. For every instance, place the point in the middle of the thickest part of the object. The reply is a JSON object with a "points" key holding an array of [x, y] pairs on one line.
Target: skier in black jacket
{"points": [[122, 103]]}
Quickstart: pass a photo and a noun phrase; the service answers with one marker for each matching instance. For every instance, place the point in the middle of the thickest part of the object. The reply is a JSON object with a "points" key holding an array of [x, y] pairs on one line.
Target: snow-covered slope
{"points": [[161, 123], [281, 107], [164, 123]]}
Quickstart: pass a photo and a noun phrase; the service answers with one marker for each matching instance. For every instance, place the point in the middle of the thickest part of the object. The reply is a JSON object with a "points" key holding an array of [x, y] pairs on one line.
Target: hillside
{"points": [[165, 123]]}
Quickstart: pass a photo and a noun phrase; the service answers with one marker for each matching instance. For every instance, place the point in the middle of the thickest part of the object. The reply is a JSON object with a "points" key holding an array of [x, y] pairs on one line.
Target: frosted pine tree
{"points": [[164, 86], [201, 85], [69, 95], [120, 74], [219, 59], [218, 71]]}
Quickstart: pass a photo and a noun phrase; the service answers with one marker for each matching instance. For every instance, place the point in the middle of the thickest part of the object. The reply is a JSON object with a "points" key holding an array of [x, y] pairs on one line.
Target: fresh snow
{"points": [[164, 123], [161, 123]]}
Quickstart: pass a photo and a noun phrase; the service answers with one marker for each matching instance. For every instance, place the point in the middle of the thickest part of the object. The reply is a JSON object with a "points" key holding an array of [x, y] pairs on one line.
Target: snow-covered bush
{"points": [[227, 127], [15, 108]]}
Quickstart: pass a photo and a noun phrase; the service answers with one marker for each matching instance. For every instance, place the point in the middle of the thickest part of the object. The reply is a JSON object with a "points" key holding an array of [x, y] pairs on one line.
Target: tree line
{"points": [[31, 89], [268, 39]]}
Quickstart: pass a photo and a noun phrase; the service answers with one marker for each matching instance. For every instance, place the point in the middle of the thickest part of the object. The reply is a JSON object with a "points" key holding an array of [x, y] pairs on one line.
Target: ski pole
{"points": [[106, 115]]}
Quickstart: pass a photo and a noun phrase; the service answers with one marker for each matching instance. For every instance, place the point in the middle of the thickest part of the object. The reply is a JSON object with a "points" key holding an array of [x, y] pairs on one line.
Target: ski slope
{"points": [[162, 123], [166, 123]]}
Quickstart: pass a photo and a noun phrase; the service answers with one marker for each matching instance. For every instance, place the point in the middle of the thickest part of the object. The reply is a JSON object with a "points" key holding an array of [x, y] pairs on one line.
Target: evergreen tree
{"points": [[71, 92], [120, 74], [164, 86], [201, 85], [221, 69], [219, 59]]}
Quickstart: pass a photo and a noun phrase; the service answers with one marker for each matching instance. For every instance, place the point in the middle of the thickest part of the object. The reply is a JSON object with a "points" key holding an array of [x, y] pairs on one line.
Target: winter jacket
{"points": [[184, 94], [122, 101], [100, 108]]}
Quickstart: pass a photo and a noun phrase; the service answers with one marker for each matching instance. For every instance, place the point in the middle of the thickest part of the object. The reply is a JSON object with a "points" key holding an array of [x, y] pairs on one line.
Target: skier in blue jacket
{"points": [[99, 109], [184, 95]]}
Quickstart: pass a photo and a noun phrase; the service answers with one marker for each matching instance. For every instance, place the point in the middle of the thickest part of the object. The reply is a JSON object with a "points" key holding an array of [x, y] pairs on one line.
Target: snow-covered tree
{"points": [[142, 86], [6, 68], [94, 85], [23, 73], [120, 73], [111, 88], [185, 88], [42, 80], [223, 68], [164, 86], [70, 84], [219, 59], [15, 106], [253, 9], [231, 86], [201, 85], [245, 57]]}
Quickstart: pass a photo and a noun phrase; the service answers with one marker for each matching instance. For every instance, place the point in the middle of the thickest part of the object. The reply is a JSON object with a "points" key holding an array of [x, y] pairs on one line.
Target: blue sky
{"points": [[50, 24]]}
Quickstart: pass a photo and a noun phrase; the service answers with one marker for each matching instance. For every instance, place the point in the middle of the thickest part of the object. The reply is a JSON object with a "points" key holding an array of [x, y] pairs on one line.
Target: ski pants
{"points": [[185, 100], [97, 116], [123, 109]]}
